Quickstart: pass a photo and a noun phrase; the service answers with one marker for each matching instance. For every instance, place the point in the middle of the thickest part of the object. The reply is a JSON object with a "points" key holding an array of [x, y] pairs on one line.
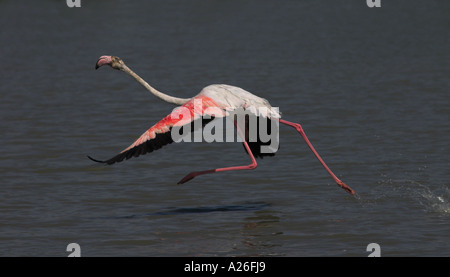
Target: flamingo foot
{"points": [[193, 174], [188, 177], [345, 187]]}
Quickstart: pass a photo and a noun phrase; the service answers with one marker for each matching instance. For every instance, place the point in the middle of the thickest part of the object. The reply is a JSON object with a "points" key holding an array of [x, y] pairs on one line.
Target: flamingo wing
{"points": [[160, 134], [144, 144]]}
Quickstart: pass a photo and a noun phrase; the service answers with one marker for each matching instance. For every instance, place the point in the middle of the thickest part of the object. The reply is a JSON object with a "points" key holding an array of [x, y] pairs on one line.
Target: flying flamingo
{"points": [[223, 97]]}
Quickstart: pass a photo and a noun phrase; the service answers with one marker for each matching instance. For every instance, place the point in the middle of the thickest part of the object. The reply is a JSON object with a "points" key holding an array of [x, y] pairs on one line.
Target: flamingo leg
{"points": [[299, 129], [253, 165]]}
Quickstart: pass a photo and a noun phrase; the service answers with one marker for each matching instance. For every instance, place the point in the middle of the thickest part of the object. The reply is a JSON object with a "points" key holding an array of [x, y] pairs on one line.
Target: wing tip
{"points": [[95, 160]]}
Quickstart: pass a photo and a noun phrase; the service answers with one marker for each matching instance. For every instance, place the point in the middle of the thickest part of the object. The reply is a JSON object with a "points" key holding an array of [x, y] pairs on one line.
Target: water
{"points": [[369, 86]]}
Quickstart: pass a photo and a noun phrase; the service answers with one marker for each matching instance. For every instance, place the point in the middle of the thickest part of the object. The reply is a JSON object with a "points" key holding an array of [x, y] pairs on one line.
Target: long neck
{"points": [[160, 95]]}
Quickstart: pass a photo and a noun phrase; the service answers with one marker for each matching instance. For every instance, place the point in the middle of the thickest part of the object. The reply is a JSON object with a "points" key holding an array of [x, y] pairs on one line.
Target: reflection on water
{"points": [[210, 209]]}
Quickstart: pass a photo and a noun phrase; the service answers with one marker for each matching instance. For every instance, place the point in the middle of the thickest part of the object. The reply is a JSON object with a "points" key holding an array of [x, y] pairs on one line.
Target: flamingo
{"points": [[223, 98]]}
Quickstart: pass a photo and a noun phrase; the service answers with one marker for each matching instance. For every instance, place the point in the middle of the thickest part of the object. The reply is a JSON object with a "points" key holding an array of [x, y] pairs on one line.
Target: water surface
{"points": [[369, 86]]}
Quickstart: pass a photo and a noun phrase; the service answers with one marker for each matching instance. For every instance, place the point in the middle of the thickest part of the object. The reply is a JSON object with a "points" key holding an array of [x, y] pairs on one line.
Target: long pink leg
{"points": [[253, 165], [299, 128]]}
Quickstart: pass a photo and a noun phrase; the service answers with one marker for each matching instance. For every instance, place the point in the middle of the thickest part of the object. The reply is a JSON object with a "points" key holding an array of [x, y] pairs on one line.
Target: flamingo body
{"points": [[230, 97], [226, 98], [214, 101]]}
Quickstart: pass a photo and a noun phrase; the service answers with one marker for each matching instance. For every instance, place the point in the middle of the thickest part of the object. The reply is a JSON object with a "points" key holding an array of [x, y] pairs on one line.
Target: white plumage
{"points": [[230, 98]]}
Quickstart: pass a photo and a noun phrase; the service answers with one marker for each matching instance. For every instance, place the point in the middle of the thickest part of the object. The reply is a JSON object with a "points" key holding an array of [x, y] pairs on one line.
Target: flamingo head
{"points": [[113, 61]]}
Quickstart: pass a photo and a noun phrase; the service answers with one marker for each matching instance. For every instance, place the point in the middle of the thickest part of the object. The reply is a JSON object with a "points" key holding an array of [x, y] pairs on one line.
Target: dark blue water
{"points": [[370, 87]]}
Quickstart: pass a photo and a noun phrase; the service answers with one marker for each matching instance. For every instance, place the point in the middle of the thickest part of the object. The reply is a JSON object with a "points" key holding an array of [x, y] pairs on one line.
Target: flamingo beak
{"points": [[102, 61]]}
